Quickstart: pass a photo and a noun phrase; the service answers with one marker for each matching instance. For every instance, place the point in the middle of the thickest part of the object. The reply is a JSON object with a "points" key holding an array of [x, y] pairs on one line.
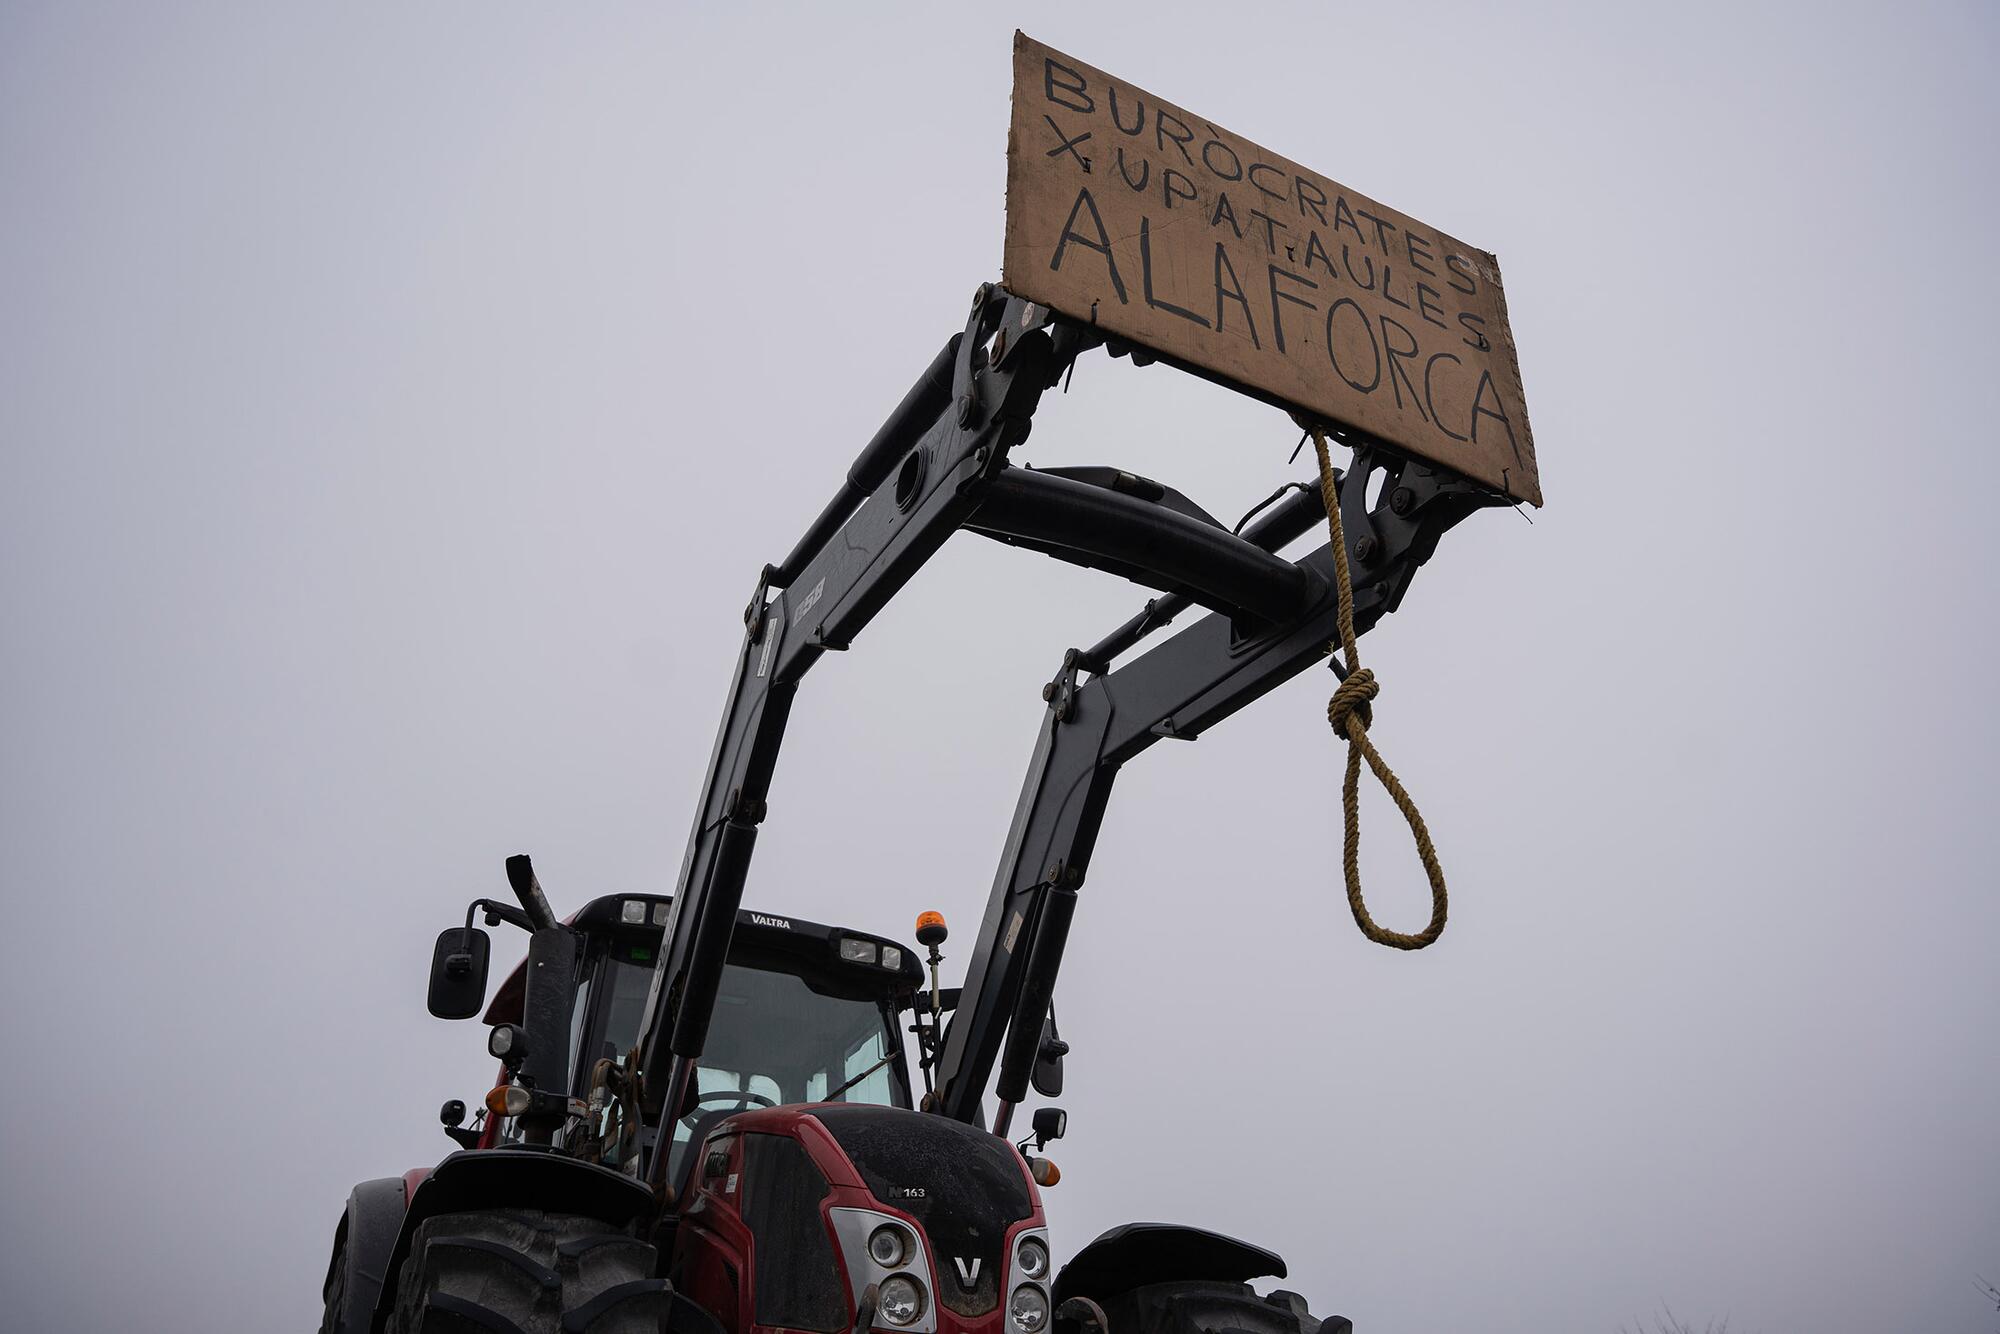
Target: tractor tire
{"points": [[1208, 1307], [336, 1295], [522, 1271]]}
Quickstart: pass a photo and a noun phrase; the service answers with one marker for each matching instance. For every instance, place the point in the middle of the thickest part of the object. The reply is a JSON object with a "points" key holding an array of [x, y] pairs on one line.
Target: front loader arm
{"points": [[1178, 690], [942, 446], [940, 464]]}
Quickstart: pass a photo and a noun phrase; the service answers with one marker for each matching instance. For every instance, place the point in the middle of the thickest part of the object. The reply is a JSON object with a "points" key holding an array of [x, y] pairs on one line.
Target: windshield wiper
{"points": [[858, 1078]]}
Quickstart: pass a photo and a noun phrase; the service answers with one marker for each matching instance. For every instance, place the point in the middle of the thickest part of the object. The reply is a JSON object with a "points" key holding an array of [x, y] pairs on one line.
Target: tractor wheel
{"points": [[522, 1271], [1206, 1307], [336, 1295]]}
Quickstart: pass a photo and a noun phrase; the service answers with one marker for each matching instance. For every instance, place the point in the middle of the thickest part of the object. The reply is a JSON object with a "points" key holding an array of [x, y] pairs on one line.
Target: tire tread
{"points": [[524, 1271]]}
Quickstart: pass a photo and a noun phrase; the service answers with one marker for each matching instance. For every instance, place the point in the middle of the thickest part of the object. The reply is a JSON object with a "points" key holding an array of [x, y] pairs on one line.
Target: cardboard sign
{"points": [[1159, 227]]}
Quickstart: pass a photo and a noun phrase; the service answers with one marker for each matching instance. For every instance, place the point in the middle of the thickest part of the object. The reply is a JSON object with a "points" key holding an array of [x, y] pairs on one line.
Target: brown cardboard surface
{"points": [[1160, 227]]}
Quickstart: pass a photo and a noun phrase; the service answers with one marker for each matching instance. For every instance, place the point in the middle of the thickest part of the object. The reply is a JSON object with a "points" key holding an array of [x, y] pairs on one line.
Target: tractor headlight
{"points": [[1029, 1310], [886, 1246], [1034, 1258], [900, 1300]]}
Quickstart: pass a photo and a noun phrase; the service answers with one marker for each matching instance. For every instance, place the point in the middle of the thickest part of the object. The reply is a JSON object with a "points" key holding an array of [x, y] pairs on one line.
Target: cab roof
{"points": [[769, 941]]}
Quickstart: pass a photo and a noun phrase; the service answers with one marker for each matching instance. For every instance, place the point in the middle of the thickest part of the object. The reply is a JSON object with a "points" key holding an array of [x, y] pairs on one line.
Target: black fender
{"points": [[362, 1245], [1136, 1254], [475, 1180]]}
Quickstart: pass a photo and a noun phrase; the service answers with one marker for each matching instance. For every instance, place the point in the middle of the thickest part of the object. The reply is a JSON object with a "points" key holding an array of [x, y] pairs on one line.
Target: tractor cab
{"points": [[799, 1187], [805, 1013]]}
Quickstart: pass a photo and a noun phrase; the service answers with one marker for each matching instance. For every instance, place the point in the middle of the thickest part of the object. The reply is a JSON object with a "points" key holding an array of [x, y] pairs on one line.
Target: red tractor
{"points": [[705, 1119]]}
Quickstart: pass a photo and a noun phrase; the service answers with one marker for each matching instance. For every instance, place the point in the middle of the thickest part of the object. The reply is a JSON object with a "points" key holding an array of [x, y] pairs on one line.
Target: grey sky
{"points": [[397, 403]]}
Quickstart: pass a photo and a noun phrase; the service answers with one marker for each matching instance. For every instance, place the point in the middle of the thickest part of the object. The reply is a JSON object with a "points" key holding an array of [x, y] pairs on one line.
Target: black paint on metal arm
{"points": [[1143, 541], [940, 464], [914, 485], [905, 426], [1179, 689]]}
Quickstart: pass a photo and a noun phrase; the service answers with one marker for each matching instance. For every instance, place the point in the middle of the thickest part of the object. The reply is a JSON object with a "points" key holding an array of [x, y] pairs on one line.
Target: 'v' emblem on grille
{"points": [[968, 1271]]}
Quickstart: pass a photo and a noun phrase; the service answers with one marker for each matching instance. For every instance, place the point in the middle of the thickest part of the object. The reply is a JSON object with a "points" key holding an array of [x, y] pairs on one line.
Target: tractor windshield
{"points": [[773, 1040]]}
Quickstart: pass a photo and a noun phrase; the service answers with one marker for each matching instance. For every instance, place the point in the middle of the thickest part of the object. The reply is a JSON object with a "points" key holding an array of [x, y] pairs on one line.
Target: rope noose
{"points": [[1349, 713]]}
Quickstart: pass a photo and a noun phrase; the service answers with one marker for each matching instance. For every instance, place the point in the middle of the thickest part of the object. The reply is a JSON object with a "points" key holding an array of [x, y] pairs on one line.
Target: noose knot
{"points": [[1351, 701]]}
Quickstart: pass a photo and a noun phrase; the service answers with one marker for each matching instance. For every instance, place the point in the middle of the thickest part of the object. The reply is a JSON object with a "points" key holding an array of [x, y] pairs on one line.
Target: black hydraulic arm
{"points": [[942, 447], [912, 417], [1186, 684], [940, 464], [1140, 540]]}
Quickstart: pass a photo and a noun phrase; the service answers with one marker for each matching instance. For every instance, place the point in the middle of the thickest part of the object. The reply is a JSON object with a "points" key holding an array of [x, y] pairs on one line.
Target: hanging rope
{"points": [[1349, 713]]}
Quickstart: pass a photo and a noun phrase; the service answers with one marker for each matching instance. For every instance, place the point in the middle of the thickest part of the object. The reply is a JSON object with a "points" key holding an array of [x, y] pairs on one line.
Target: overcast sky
{"points": [[396, 406]]}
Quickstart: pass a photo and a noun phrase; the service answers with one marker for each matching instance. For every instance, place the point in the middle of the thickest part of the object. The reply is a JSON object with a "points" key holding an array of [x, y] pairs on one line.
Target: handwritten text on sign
{"points": [[1161, 228]]}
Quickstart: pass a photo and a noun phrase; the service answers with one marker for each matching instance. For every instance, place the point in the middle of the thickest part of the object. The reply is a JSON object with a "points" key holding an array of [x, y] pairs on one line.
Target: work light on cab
{"points": [[508, 1042]]}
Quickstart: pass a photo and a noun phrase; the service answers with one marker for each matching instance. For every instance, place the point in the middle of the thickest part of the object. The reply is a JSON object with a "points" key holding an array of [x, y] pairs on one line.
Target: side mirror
{"points": [[458, 972], [1047, 1076]]}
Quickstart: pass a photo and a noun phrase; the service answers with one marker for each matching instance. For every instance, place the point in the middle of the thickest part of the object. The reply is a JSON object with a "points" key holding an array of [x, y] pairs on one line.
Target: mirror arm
{"points": [[497, 912], [452, 965]]}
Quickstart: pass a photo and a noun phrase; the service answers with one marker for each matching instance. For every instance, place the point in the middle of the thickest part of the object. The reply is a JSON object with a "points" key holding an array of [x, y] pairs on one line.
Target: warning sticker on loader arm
{"points": [[1161, 228]]}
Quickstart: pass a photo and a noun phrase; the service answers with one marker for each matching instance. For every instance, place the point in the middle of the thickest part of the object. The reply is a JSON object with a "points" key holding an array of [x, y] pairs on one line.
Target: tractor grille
{"points": [[798, 1277], [964, 1186]]}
